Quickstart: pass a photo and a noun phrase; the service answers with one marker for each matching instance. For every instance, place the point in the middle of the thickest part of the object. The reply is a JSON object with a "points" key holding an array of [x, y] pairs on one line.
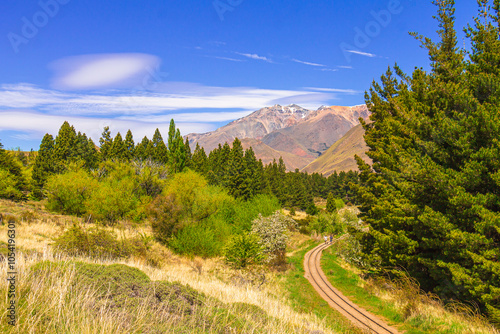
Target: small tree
{"points": [[243, 250], [273, 233]]}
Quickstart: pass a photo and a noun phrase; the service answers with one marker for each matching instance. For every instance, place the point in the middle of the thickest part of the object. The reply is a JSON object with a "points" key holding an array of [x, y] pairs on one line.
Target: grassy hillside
{"points": [[151, 289], [340, 156]]}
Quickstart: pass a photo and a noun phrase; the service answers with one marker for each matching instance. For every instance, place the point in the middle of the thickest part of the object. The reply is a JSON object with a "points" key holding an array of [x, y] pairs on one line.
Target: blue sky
{"points": [[137, 64]]}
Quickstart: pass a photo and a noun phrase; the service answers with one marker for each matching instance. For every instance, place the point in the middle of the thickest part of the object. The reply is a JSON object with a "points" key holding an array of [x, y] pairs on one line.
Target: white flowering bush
{"points": [[274, 233]]}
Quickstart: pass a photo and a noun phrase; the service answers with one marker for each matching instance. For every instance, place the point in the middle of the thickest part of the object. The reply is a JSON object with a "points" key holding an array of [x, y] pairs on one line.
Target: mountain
{"points": [[292, 132], [340, 156], [316, 132], [256, 126]]}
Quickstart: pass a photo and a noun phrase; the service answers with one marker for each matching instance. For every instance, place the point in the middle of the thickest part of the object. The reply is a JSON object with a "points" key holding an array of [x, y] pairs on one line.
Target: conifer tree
{"points": [[236, 179], [200, 160], [129, 146], [43, 166], [64, 147], [142, 150], [118, 150], [105, 143], [189, 155], [159, 149], [431, 196]]}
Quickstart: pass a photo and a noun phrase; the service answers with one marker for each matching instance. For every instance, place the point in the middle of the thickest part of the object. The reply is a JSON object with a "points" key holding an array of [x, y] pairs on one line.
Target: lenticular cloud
{"points": [[120, 70]]}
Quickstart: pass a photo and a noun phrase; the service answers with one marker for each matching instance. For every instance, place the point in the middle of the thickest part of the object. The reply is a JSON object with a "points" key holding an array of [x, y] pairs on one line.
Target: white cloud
{"points": [[36, 124], [333, 90], [103, 70], [366, 54], [254, 56], [308, 63], [329, 69], [346, 67], [193, 96], [226, 58]]}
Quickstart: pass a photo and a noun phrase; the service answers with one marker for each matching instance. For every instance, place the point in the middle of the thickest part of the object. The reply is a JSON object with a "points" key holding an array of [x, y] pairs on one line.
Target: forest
{"points": [[194, 201]]}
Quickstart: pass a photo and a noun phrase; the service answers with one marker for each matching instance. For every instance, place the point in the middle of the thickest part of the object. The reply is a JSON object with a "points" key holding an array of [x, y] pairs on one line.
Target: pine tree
{"points": [[142, 150], [200, 160], [43, 166], [105, 143], [118, 150], [64, 147], [189, 155], [236, 179], [129, 146], [159, 149], [431, 196]]}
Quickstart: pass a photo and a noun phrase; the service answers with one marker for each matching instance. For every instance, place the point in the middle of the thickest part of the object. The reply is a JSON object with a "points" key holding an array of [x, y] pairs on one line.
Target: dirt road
{"points": [[359, 317]]}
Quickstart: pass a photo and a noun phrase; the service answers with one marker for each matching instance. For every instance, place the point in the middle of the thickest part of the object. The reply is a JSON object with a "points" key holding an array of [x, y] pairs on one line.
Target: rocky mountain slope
{"points": [[292, 132], [340, 156]]}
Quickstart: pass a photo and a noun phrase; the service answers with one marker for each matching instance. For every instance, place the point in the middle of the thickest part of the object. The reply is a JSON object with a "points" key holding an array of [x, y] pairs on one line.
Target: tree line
{"points": [[230, 166]]}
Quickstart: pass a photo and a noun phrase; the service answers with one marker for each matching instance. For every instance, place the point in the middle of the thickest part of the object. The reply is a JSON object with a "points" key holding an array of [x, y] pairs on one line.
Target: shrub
{"points": [[243, 250], [112, 200], [196, 240], [327, 223], [273, 233], [333, 204], [67, 193], [166, 217], [312, 209], [8, 186], [97, 242]]}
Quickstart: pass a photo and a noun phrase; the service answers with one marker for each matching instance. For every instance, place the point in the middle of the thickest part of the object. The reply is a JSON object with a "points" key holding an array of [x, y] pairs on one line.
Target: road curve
{"points": [[358, 316]]}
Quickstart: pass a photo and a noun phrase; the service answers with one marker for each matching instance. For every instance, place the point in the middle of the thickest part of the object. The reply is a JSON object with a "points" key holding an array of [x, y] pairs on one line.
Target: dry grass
{"points": [[426, 309], [50, 305]]}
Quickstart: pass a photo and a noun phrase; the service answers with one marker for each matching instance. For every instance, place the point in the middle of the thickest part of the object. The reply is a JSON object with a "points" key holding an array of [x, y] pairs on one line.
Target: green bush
{"points": [[67, 193], [312, 209], [114, 199], [333, 204], [197, 240], [8, 186], [329, 223], [243, 250], [97, 242]]}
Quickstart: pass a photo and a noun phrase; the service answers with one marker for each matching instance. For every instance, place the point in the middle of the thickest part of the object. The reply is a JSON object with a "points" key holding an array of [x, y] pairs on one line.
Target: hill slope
{"points": [[340, 156]]}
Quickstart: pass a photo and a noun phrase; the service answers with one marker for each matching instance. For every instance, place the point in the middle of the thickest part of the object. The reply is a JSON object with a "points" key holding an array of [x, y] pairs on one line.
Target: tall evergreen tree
{"points": [[44, 165], [199, 160], [159, 149], [431, 196], [105, 143], [143, 149], [129, 146], [118, 149], [64, 147]]}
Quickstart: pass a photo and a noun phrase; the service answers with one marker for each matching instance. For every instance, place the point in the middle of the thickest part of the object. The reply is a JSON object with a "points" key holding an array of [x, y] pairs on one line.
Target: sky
{"points": [[131, 64]]}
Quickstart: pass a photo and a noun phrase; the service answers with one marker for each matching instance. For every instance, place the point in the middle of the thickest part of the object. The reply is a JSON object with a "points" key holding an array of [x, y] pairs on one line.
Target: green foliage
{"points": [[244, 250], [329, 223], [106, 143], [197, 239], [312, 210], [114, 199], [333, 204], [68, 193], [95, 242], [13, 181], [431, 196], [8, 186], [158, 150]]}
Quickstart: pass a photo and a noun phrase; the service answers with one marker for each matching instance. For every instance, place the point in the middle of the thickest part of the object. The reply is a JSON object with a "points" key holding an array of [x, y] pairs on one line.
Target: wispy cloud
{"points": [[333, 90], [346, 67], [307, 63], [254, 56], [226, 58], [103, 70], [329, 69], [366, 54], [35, 124]]}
